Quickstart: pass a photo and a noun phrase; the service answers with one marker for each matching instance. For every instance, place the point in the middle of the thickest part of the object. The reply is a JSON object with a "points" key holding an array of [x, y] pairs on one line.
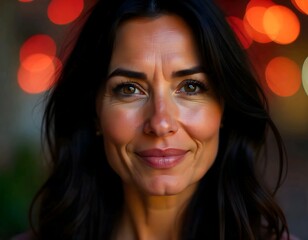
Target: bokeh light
{"points": [[239, 29], [254, 17], [301, 5], [305, 75], [253, 20], [25, 1], [283, 76], [64, 11], [38, 73], [259, 3], [38, 64], [255, 35], [281, 24], [39, 43]]}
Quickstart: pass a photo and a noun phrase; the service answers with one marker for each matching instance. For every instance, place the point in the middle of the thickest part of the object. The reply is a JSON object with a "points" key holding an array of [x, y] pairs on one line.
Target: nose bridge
{"points": [[162, 113], [162, 108]]}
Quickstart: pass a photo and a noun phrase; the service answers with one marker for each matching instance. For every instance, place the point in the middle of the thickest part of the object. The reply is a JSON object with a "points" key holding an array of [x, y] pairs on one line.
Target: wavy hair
{"points": [[82, 197]]}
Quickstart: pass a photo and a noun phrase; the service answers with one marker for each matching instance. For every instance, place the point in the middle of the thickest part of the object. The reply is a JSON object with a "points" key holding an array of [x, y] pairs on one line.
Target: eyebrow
{"points": [[142, 76], [127, 73], [189, 71]]}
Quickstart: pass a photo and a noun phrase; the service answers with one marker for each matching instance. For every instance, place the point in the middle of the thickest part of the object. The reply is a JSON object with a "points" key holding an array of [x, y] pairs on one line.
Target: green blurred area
{"points": [[20, 178]]}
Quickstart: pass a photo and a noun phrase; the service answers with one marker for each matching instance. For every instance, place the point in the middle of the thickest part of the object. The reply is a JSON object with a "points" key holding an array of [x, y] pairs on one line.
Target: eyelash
{"points": [[202, 86], [118, 89]]}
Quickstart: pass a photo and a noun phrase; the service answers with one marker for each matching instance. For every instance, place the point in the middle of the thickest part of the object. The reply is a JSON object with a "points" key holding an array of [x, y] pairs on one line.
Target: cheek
{"points": [[118, 125], [203, 122]]}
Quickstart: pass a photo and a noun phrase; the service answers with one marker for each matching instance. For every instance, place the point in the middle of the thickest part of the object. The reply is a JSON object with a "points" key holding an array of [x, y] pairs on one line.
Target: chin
{"points": [[166, 186]]}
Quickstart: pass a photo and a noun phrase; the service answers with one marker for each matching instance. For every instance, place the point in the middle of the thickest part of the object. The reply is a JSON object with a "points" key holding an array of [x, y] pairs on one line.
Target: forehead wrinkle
{"points": [[155, 50]]}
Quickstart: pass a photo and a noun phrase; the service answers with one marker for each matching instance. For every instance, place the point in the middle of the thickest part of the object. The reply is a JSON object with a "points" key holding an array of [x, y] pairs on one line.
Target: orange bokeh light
{"points": [[254, 16], [301, 5], [238, 27], [64, 11], [259, 3], [281, 24], [283, 76], [253, 20], [255, 35], [39, 43], [37, 73]]}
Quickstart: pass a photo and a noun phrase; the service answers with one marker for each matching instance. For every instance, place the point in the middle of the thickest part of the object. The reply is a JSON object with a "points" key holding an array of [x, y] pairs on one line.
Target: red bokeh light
{"points": [[283, 76], [38, 72], [238, 27], [39, 43], [64, 11], [38, 64]]}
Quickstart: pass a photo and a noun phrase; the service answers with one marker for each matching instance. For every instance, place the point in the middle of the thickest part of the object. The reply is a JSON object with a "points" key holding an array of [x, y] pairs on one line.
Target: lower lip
{"points": [[163, 162]]}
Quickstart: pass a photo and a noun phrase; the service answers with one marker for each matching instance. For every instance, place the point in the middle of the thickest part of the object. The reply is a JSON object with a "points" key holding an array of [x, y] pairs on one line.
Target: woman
{"points": [[154, 127]]}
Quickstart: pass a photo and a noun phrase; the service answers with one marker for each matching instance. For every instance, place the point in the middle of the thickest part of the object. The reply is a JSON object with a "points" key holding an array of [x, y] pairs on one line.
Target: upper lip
{"points": [[155, 152]]}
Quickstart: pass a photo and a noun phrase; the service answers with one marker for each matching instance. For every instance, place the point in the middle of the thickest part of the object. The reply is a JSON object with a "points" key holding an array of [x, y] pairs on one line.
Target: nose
{"points": [[161, 118]]}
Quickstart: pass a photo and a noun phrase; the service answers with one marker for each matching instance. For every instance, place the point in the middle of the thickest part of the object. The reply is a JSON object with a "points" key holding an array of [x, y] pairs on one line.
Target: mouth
{"points": [[162, 158]]}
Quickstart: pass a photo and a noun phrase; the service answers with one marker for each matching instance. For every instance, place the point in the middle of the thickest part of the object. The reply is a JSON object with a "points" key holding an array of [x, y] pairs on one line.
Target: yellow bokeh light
{"points": [[305, 75]]}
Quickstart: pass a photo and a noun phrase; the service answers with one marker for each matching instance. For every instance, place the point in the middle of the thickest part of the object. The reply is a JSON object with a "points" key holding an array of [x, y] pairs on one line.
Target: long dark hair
{"points": [[82, 198]]}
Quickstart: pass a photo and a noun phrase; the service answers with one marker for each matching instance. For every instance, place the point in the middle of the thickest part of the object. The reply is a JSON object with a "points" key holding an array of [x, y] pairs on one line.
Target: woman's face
{"points": [[158, 114]]}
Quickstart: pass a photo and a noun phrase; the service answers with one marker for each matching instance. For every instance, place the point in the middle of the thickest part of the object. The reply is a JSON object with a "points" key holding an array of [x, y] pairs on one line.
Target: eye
{"points": [[128, 89], [192, 87]]}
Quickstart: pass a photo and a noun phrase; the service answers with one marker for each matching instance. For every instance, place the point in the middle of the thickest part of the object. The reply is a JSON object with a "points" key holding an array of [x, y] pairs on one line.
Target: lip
{"points": [[162, 158]]}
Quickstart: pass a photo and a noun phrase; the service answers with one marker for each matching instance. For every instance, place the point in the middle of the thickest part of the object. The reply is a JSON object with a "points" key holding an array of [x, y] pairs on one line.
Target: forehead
{"points": [[165, 35], [154, 25]]}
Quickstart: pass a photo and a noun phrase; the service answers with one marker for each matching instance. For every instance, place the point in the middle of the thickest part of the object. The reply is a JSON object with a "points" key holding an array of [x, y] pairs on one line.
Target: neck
{"points": [[152, 217]]}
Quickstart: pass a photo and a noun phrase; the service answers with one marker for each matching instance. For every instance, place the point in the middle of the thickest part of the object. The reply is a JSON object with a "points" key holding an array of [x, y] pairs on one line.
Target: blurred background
{"points": [[274, 34]]}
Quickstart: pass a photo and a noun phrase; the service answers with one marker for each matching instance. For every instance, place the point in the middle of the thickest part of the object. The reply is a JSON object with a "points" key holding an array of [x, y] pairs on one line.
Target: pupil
{"points": [[129, 89], [190, 88]]}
